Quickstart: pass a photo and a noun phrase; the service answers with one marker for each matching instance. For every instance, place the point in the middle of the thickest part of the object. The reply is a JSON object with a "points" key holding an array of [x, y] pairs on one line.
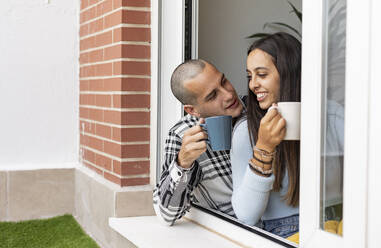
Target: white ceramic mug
{"points": [[290, 111]]}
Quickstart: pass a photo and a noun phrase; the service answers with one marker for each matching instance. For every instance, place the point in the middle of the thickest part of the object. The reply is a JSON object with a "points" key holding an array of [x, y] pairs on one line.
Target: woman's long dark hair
{"points": [[285, 51]]}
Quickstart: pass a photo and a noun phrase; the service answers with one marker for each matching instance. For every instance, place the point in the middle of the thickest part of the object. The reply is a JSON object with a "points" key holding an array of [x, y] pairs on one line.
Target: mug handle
{"points": [[272, 107], [205, 127]]}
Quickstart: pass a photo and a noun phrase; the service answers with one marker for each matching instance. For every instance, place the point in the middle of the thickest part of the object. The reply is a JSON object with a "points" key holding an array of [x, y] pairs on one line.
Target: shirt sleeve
{"points": [[251, 192], [173, 194]]}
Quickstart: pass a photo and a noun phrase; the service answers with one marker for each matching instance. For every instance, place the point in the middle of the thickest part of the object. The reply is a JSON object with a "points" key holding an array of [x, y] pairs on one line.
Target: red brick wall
{"points": [[115, 89]]}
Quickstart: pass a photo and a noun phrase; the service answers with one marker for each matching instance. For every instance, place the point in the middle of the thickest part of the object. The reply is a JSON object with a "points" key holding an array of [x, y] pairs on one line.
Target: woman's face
{"points": [[264, 78]]}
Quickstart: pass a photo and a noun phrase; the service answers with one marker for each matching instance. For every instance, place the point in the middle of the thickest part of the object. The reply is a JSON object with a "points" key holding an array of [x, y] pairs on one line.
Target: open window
{"points": [[215, 30]]}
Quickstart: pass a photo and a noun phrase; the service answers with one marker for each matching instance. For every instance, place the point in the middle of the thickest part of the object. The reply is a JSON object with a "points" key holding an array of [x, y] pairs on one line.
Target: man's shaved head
{"points": [[184, 72]]}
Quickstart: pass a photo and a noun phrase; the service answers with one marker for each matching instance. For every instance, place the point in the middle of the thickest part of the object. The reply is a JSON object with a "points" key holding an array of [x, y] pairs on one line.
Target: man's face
{"points": [[214, 94]]}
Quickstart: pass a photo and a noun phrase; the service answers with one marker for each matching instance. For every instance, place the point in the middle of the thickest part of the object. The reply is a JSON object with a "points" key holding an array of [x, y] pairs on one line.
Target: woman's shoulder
{"points": [[240, 135]]}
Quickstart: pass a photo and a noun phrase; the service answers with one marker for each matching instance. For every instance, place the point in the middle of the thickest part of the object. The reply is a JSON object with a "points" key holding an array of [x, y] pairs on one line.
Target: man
{"points": [[192, 172]]}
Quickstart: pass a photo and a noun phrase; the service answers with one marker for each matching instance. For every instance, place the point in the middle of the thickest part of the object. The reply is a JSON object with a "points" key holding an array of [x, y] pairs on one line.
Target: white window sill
{"points": [[148, 232]]}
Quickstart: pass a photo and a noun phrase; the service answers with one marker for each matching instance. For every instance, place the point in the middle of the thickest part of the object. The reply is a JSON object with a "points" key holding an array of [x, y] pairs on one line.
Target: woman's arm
{"points": [[250, 191]]}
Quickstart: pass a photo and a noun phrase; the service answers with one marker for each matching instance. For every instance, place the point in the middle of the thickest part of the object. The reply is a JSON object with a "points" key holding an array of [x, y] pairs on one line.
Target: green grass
{"points": [[58, 232]]}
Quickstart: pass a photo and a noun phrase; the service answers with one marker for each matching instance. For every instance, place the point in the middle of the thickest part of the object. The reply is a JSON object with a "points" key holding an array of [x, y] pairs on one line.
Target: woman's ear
{"points": [[190, 109]]}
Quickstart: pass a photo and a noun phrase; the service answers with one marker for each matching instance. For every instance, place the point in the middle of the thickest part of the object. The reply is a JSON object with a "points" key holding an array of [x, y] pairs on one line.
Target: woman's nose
{"points": [[254, 84]]}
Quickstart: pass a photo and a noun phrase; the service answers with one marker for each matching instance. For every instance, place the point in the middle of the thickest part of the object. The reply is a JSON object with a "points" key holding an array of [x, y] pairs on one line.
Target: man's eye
{"points": [[212, 97], [262, 75], [248, 77]]}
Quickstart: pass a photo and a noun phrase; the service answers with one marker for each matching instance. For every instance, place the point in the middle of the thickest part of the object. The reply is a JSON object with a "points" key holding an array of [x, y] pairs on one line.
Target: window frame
{"points": [[358, 116]]}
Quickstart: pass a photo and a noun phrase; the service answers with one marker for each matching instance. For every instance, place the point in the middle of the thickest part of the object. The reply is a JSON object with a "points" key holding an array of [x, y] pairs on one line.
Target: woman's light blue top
{"points": [[253, 197]]}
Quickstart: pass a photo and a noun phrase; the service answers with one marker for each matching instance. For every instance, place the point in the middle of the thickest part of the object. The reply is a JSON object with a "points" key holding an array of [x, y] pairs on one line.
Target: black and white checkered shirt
{"points": [[208, 182]]}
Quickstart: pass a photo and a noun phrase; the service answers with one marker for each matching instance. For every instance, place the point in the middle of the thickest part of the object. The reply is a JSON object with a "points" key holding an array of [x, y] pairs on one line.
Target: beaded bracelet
{"points": [[263, 162], [258, 172], [260, 169], [264, 153]]}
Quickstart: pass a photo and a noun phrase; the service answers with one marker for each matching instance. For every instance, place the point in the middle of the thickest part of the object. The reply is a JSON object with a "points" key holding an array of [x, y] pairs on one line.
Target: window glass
{"points": [[333, 105]]}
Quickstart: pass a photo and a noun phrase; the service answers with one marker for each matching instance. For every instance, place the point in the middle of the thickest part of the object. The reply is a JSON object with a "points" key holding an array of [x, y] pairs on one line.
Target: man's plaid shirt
{"points": [[208, 182]]}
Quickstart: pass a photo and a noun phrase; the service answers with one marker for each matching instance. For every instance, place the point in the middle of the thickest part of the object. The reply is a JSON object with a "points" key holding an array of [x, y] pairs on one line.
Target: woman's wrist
{"points": [[265, 147]]}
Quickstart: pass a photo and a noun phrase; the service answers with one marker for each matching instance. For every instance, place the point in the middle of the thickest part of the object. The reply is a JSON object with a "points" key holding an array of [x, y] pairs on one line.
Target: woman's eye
{"points": [[248, 77], [262, 75]]}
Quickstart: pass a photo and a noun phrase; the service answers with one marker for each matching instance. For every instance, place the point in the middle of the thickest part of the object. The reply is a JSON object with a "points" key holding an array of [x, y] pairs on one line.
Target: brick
{"points": [[132, 34], [84, 140], [127, 51], [84, 58], [113, 84], [96, 26], [84, 30], [84, 85], [96, 85], [136, 17], [135, 118], [96, 114], [103, 100], [103, 162], [112, 116], [88, 15], [136, 84], [103, 39], [103, 131], [136, 51], [131, 101], [87, 71], [113, 52], [84, 4], [131, 68], [84, 112], [88, 155], [131, 168], [85, 99], [87, 127], [130, 134], [103, 69], [100, 172], [95, 143], [134, 181], [104, 7], [113, 19], [112, 178], [135, 151], [93, 2], [126, 118], [113, 149], [95, 56], [131, 3], [87, 43]]}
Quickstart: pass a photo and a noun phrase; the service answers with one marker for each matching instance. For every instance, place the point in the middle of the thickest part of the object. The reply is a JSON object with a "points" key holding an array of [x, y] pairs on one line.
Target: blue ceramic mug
{"points": [[219, 129]]}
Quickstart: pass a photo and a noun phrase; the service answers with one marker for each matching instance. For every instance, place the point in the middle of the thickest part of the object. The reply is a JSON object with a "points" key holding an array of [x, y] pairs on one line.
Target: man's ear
{"points": [[190, 109]]}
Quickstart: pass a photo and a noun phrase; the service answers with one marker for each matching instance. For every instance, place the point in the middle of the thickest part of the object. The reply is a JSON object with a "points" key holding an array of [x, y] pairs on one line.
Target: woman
{"points": [[265, 168]]}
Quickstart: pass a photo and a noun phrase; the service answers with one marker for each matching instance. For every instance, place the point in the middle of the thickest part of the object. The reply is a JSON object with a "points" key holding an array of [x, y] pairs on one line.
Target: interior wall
{"points": [[39, 82], [224, 24]]}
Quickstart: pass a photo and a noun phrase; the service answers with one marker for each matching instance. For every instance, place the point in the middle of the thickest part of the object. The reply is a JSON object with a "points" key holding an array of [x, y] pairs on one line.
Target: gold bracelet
{"points": [[265, 153]]}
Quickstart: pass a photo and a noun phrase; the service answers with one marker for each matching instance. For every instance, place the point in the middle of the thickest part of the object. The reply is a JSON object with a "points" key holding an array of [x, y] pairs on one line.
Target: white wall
{"points": [[224, 24], [39, 82]]}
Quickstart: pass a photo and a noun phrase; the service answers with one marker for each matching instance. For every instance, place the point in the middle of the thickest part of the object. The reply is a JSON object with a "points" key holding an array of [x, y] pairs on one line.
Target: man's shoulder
{"points": [[184, 124]]}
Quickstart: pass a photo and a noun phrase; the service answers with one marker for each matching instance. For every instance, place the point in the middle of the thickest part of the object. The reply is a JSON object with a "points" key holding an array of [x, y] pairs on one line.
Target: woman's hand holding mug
{"points": [[272, 130]]}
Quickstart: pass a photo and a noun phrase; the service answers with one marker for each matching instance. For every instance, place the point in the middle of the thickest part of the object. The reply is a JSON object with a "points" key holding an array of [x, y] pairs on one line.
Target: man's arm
{"points": [[180, 174]]}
